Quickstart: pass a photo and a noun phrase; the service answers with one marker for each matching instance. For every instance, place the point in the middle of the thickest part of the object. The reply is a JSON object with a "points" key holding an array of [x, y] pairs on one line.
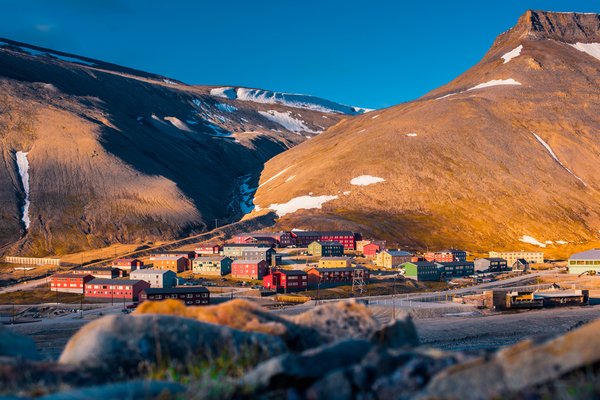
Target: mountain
{"points": [[507, 155], [94, 153]]}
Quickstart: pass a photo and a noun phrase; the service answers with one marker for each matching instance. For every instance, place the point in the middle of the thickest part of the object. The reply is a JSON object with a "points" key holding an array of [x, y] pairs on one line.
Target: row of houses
{"points": [[299, 238]]}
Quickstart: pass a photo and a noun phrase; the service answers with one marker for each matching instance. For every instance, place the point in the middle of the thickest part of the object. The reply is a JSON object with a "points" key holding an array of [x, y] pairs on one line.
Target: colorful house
{"points": [[208, 249], [286, 280], [335, 262], [371, 249], [532, 257], [99, 272], [317, 276], [447, 255], [69, 283], [157, 278], [491, 264], [248, 269], [422, 270], [584, 262], [234, 251], [214, 266], [392, 258], [176, 264], [326, 249], [115, 289], [128, 264], [456, 269]]}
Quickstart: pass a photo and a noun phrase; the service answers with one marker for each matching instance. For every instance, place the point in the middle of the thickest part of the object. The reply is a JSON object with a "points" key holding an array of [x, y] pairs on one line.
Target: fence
{"points": [[32, 260]]}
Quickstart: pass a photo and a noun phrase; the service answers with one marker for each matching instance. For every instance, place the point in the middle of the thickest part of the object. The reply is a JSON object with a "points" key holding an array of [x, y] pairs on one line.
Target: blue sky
{"points": [[371, 54]]}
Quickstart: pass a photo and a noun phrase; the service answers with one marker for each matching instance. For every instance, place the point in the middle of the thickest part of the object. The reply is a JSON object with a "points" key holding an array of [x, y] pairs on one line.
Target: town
{"points": [[298, 266]]}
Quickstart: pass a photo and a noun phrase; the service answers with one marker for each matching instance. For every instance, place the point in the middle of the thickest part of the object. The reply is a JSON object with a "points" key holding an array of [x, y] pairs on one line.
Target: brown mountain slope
{"points": [[118, 155], [463, 165]]}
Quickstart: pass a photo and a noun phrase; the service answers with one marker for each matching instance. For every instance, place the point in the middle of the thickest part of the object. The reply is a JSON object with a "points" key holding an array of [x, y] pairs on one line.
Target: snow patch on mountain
{"points": [[512, 54], [365, 180], [177, 123], [554, 156], [290, 178], [23, 167], [411, 134], [495, 82], [226, 107], [273, 177], [287, 99], [593, 49], [38, 53], [531, 240], [286, 120], [301, 203]]}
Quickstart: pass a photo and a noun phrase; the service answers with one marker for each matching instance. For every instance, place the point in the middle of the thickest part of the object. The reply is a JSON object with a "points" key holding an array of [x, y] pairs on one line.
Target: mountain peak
{"points": [[570, 27]]}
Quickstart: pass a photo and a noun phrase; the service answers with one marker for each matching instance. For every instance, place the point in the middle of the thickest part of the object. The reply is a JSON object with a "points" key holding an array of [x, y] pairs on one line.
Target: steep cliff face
{"points": [[507, 152], [113, 154]]}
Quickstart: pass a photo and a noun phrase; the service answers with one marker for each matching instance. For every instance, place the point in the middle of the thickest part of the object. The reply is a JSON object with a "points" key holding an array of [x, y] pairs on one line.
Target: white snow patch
{"points": [[551, 152], [561, 242], [549, 242], [365, 180], [226, 107], [290, 178], [177, 123], [170, 82], [287, 121], [375, 116], [593, 49], [512, 54], [496, 82], [531, 240], [362, 130], [346, 193], [23, 166], [273, 177], [411, 134], [301, 203], [287, 99]]}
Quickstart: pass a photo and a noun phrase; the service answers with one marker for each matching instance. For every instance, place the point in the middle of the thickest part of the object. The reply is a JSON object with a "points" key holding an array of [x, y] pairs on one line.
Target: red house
{"points": [[69, 283], [128, 264], [286, 280], [448, 255], [208, 249], [371, 249], [115, 289], [248, 269], [336, 275], [276, 239], [347, 238]]}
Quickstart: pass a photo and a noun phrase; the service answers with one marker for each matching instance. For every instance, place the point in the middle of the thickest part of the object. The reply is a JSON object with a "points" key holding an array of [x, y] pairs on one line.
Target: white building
{"points": [[511, 257], [157, 278]]}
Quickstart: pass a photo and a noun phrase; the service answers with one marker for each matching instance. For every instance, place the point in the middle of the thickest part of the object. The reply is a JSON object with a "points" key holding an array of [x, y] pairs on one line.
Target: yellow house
{"points": [[392, 258], [335, 262]]}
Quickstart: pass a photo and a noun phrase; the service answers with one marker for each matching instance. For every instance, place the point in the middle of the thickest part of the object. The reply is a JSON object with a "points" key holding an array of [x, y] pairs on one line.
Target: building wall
{"points": [[249, 271], [176, 266], [512, 256], [115, 291], [334, 263]]}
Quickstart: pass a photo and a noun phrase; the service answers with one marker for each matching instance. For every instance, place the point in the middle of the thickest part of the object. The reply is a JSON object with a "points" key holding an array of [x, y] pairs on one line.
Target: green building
{"points": [[326, 249], [456, 269], [421, 270], [586, 261], [215, 266]]}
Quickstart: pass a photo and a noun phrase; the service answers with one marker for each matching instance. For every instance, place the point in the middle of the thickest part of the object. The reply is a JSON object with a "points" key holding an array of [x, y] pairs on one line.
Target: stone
{"points": [[399, 333], [14, 345], [299, 370], [131, 390], [520, 366], [240, 314], [339, 320], [128, 344]]}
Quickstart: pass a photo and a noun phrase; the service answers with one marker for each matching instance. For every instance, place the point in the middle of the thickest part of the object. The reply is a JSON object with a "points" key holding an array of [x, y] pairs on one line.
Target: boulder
{"points": [[339, 320], [14, 345], [132, 390], [520, 366], [299, 370], [398, 333], [239, 314], [129, 344]]}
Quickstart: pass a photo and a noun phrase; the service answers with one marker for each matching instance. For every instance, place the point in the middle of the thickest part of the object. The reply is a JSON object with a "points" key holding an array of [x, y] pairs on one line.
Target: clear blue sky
{"points": [[366, 53]]}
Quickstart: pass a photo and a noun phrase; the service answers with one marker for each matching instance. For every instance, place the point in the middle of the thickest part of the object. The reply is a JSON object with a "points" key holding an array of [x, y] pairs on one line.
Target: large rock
{"points": [[15, 345], [518, 367], [339, 320], [126, 343], [299, 370], [133, 390], [399, 333], [240, 314]]}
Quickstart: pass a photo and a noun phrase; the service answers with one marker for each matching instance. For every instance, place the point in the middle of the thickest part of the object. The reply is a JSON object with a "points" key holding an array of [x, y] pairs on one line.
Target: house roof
{"points": [[328, 243], [339, 269], [493, 259], [421, 263], [167, 258], [125, 260], [176, 290], [291, 271], [257, 245], [593, 254], [397, 253], [253, 261], [101, 281], [172, 252], [99, 269], [200, 259], [455, 263], [149, 271], [68, 275]]}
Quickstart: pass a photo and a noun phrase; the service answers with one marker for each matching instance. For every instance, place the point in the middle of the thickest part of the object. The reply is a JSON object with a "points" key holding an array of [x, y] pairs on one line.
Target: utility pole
{"points": [[216, 223], [394, 299], [81, 309]]}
